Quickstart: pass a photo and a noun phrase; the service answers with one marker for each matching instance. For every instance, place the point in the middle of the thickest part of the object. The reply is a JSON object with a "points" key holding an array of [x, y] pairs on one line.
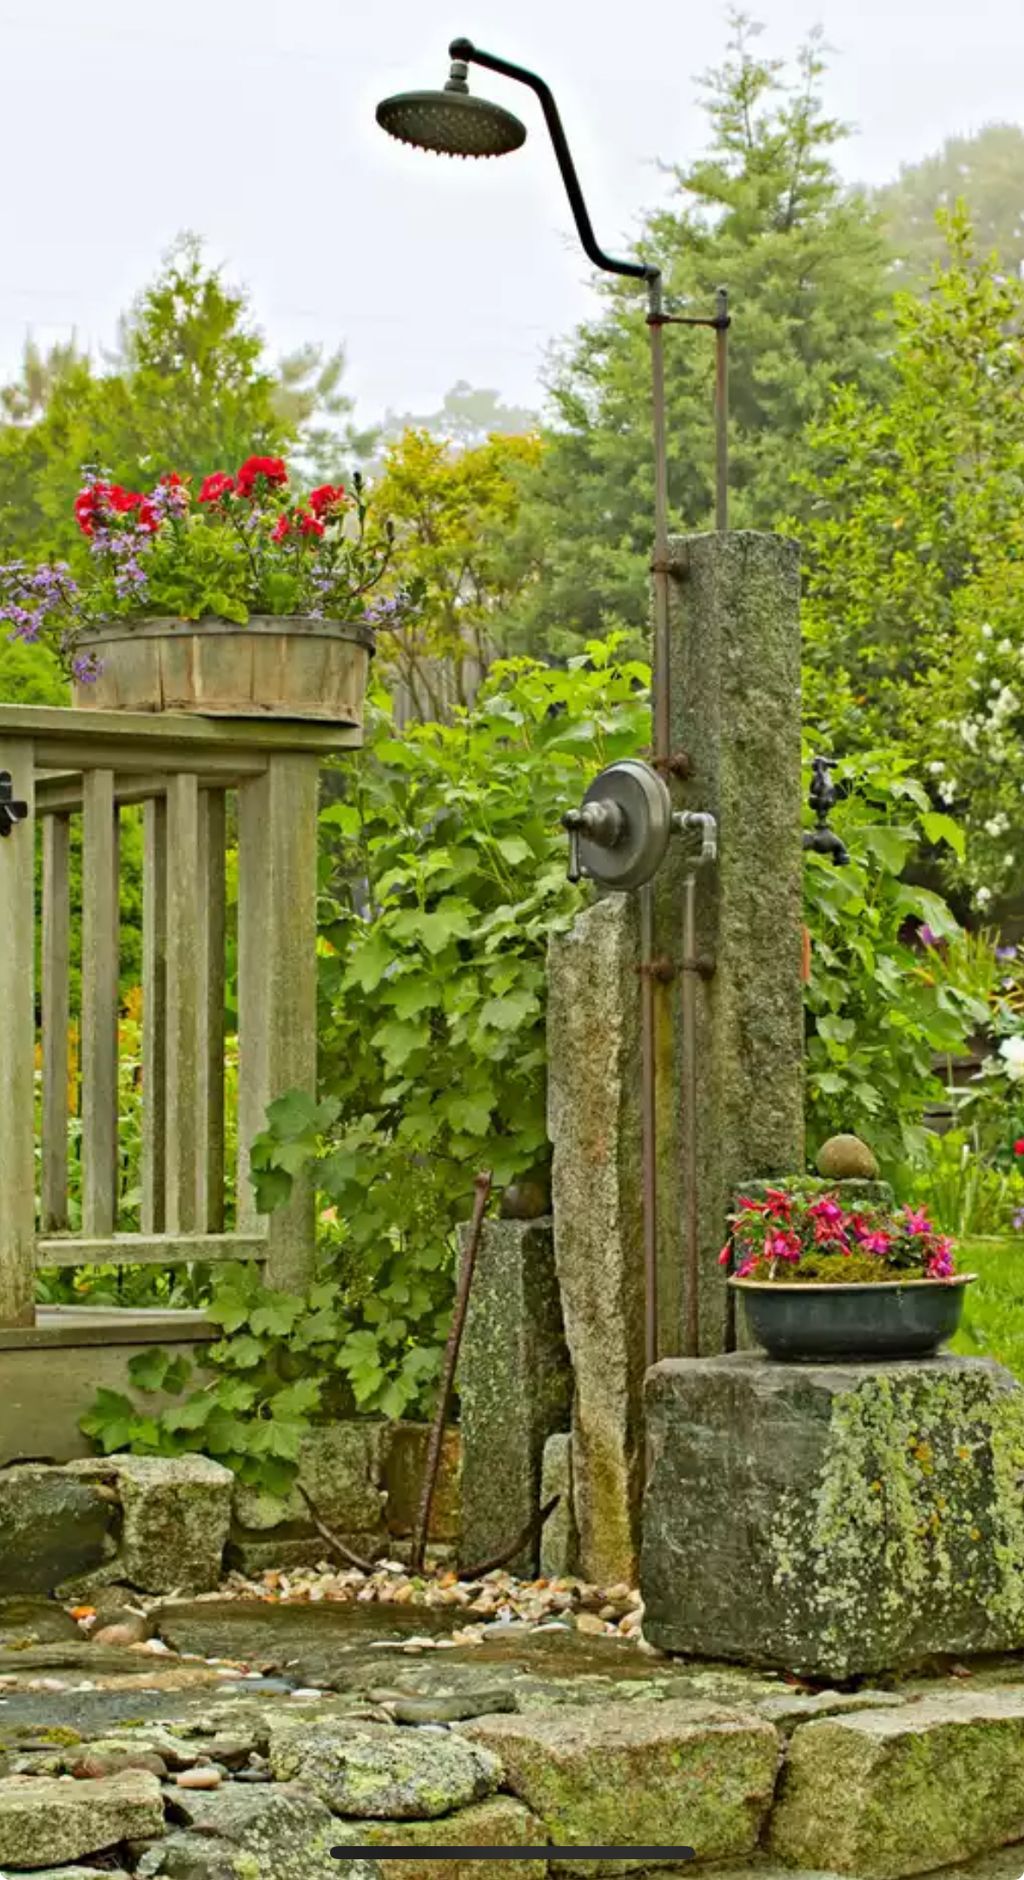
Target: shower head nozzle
{"points": [[451, 122]]}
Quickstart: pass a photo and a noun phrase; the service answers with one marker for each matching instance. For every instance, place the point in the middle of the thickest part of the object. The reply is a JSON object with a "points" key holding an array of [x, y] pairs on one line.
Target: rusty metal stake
{"points": [[451, 1357]]}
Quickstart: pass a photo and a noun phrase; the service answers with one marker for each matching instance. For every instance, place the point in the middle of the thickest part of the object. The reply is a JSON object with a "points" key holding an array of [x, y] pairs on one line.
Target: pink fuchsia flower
{"points": [[726, 1254], [827, 1209], [748, 1267], [915, 1222], [782, 1246], [940, 1262], [878, 1243], [776, 1201]]}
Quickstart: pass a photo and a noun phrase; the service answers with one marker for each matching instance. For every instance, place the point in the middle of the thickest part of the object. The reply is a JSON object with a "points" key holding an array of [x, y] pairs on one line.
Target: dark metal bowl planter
{"points": [[907, 1318], [287, 666]]}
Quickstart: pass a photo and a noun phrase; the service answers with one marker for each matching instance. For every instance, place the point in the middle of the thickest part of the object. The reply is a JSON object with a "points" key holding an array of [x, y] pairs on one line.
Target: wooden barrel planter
{"points": [[281, 667]]}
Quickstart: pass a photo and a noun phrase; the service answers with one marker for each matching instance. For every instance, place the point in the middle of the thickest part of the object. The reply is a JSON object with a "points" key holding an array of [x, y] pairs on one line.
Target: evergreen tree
{"points": [[986, 171], [765, 214], [190, 387]]}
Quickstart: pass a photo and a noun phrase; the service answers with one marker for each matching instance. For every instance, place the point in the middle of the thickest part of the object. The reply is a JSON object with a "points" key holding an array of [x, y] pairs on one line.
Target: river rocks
{"points": [[847, 1158], [868, 1516], [498, 1822], [667, 1775], [52, 1526], [43, 1822], [27, 1622], [175, 1514], [375, 1770], [886, 1793]]}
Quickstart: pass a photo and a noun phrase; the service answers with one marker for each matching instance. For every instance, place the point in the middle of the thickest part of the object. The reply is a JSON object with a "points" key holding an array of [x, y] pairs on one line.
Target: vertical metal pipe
{"points": [[662, 741], [662, 707], [650, 1192], [721, 409], [691, 1325], [451, 1359]]}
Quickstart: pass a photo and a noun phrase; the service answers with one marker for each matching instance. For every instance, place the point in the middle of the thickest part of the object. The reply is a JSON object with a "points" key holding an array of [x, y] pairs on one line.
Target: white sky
{"points": [[251, 122]]}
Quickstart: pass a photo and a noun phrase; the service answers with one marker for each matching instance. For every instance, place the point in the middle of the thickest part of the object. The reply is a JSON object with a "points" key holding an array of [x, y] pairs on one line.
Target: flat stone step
{"points": [[884, 1793]]}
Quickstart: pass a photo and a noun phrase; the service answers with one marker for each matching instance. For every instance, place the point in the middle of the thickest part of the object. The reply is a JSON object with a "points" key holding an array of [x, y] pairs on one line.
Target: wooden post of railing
{"points": [[154, 1015], [99, 1003], [17, 1044], [277, 833], [184, 957], [211, 1010], [56, 1017]]}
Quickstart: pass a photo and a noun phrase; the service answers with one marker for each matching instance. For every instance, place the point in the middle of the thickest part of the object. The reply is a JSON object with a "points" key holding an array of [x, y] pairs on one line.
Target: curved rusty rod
{"points": [[451, 1358]]}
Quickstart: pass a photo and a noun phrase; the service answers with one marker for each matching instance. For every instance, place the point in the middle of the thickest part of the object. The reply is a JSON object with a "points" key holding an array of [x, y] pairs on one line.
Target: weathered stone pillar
{"points": [[735, 712], [515, 1387], [594, 1125]]}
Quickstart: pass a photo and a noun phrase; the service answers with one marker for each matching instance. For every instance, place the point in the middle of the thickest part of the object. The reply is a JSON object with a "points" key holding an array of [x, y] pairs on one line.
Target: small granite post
{"points": [[834, 1519], [735, 713], [514, 1386], [594, 1125]]}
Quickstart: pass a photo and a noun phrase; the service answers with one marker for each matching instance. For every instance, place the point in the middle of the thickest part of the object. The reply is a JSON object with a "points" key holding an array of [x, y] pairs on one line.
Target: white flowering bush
{"points": [[980, 729]]}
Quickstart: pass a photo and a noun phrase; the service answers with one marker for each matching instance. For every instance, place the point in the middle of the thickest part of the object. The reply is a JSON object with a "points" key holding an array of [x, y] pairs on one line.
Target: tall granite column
{"points": [[735, 712], [594, 1125]]}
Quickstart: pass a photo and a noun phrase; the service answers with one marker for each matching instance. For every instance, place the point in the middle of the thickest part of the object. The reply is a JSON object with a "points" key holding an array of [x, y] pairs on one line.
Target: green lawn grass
{"points": [[993, 1321]]}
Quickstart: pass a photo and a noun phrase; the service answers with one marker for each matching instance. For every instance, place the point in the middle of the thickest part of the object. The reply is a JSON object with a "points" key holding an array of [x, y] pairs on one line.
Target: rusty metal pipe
{"points": [[451, 1357], [647, 1075], [721, 409], [691, 1316]]}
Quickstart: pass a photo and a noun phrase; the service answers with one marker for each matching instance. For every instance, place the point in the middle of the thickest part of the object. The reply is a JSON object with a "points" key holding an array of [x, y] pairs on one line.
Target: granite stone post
{"points": [[833, 1520], [559, 1542], [515, 1387], [735, 712], [594, 1125]]}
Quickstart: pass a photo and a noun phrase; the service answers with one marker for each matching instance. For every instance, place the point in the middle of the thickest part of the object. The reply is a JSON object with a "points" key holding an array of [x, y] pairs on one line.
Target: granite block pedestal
{"points": [[835, 1519]]}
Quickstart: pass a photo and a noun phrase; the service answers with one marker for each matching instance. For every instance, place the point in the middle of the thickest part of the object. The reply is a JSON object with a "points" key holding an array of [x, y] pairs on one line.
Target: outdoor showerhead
{"points": [[451, 122]]}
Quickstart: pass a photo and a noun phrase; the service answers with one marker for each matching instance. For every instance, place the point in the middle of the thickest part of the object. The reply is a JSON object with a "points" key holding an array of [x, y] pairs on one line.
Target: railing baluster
{"points": [[212, 822], [56, 949], [277, 860], [17, 1044], [154, 1014], [99, 1003], [184, 962]]}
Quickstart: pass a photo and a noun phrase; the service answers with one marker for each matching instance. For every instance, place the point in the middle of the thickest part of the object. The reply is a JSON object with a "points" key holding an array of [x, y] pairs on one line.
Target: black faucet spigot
{"points": [[822, 797]]}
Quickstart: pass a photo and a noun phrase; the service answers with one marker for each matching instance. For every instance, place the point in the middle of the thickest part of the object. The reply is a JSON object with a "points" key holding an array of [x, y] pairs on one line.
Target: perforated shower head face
{"points": [[451, 122]]}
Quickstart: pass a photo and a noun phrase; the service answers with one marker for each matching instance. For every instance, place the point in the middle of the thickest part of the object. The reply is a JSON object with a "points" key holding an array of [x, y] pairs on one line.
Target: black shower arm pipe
{"points": [[465, 50]]}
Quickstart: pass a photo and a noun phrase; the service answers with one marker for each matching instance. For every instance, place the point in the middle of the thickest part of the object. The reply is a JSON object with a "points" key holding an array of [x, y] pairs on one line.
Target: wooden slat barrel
{"points": [[283, 667]]}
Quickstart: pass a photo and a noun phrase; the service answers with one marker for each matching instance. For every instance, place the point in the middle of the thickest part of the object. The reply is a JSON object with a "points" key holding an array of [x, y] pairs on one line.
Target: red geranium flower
{"points": [[281, 528], [174, 479], [1018, 1147], [216, 486], [271, 469], [100, 501], [329, 496], [310, 524]]}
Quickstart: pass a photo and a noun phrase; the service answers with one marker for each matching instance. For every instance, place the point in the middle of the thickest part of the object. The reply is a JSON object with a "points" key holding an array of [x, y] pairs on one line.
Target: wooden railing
{"points": [[185, 771]]}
